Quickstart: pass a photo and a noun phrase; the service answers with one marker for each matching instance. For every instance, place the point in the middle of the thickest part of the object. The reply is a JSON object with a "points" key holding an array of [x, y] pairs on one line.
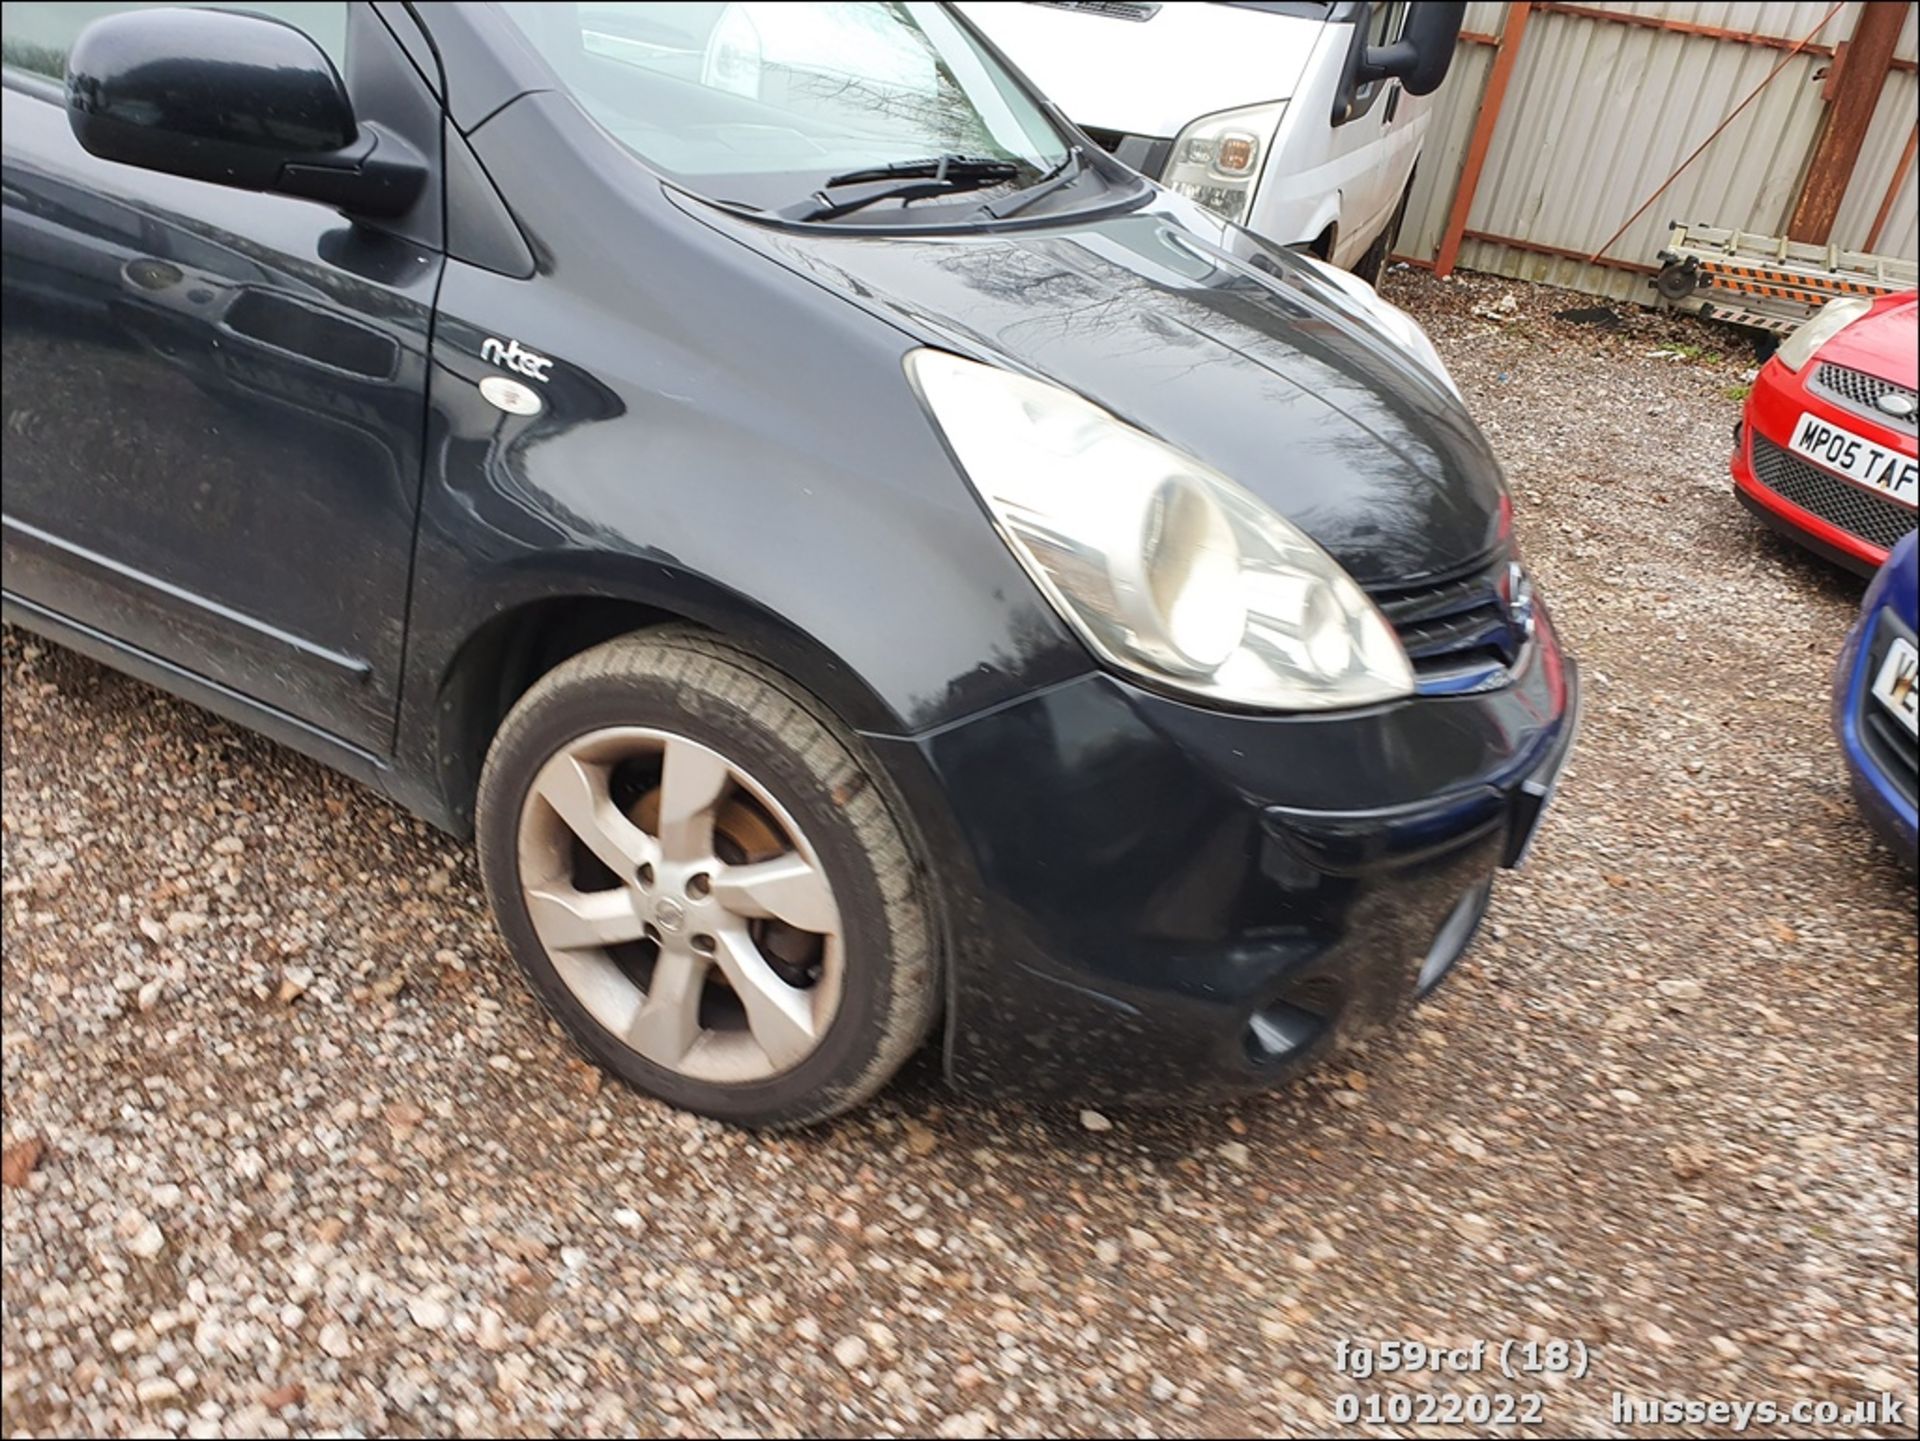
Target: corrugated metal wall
{"points": [[1887, 138], [1598, 113], [1454, 111]]}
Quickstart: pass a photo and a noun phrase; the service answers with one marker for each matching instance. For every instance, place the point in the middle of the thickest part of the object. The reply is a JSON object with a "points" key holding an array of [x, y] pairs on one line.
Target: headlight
{"points": [[1400, 327], [732, 61], [1216, 160], [1820, 327], [1163, 566]]}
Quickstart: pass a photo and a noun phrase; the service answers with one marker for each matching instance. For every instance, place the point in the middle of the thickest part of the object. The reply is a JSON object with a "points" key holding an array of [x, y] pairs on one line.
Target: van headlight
{"points": [[1164, 567], [1820, 327], [1216, 160]]}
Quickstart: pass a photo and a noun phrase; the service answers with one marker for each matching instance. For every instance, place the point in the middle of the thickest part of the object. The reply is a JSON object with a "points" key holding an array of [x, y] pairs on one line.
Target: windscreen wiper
{"points": [[1065, 173], [923, 179], [933, 167]]}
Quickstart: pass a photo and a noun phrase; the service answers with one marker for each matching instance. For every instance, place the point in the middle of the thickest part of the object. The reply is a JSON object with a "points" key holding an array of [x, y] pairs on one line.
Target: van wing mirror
{"points": [[1422, 55], [232, 99]]}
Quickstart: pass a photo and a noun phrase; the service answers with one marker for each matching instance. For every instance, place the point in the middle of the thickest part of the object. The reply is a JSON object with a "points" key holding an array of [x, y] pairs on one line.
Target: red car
{"points": [[1827, 451]]}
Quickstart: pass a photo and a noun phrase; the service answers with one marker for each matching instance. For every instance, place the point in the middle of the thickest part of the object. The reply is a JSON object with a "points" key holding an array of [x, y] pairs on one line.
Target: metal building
{"points": [[1559, 121]]}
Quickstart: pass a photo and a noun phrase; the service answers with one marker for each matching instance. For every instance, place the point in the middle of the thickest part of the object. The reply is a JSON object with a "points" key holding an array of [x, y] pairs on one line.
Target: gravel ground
{"points": [[289, 1148]]}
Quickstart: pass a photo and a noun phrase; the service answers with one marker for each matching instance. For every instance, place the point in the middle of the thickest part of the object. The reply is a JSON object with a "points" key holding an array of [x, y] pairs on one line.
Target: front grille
{"points": [[1887, 743], [1472, 627], [1112, 9], [1143, 152], [1876, 519], [1859, 391]]}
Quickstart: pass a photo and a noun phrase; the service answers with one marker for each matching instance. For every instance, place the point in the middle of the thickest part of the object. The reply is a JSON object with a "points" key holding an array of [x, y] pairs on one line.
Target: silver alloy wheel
{"points": [[655, 954]]}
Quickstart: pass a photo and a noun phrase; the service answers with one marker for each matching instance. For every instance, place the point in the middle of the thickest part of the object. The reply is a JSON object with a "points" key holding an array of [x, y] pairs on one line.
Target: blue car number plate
{"points": [[1897, 683]]}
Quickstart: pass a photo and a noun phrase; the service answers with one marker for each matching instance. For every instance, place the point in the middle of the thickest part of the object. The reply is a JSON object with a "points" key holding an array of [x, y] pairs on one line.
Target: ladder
{"points": [[1768, 281]]}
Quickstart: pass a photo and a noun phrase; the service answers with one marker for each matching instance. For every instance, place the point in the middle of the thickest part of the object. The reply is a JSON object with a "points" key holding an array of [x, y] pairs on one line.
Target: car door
{"points": [[214, 399], [1366, 143], [1403, 127]]}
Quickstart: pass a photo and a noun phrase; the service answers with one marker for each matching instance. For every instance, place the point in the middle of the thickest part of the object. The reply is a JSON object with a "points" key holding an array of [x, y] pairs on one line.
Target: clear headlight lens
{"points": [[1162, 565], [1820, 327], [1216, 160], [1400, 327], [733, 59]]}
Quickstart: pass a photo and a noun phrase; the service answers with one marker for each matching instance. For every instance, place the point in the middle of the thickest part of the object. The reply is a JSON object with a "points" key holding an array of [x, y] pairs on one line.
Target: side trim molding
{"points": [[350, 665], [363, 766]]}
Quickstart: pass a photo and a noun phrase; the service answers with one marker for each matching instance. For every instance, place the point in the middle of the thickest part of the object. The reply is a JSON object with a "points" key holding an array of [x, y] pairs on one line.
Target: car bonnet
{"points": [[1885, 342], [1236, 352]]}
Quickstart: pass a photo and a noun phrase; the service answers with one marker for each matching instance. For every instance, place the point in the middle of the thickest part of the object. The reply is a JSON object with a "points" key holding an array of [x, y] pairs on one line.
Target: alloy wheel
{"points": [[681, 904]]}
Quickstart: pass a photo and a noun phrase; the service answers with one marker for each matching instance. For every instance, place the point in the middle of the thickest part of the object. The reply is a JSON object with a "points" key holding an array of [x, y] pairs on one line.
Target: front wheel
{"points": [[704, 883], [1373, 262]]}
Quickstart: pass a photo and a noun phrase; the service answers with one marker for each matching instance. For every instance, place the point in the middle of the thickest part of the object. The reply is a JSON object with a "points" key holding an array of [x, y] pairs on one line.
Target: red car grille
{"points": [[1859, 391], [1875, 519]]}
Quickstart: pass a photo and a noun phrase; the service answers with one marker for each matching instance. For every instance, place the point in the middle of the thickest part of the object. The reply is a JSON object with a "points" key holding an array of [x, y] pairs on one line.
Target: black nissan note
{"points": [[862, 561]]}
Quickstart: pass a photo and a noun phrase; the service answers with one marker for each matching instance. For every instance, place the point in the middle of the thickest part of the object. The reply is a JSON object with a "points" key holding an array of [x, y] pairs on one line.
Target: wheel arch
{"points": [[467, 680]]}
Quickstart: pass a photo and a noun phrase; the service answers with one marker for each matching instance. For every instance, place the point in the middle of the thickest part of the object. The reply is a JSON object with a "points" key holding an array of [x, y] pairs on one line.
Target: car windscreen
{"points": [[762, 102]]}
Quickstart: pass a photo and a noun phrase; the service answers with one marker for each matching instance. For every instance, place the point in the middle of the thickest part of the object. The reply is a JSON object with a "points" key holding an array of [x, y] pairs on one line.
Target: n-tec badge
{"points": [[510, 395], [1895, 404], [511, 354]]}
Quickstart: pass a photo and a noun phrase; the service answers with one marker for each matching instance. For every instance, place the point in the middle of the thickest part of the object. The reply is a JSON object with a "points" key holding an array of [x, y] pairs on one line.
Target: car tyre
{"points": [[1373, 262], [794, 774]]}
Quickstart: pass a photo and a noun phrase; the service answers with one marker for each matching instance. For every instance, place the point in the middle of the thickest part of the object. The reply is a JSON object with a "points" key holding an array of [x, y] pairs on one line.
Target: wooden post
{"points": [[1490, 102], [1859, 75]]}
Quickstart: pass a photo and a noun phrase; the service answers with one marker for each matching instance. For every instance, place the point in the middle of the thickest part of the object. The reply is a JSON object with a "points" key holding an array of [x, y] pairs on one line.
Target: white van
{"points": [[1302, 122]]}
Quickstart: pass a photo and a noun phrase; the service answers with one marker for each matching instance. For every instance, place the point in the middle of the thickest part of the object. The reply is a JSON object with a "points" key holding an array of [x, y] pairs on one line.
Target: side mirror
{"points": [[1422, 55], [232, 99]]}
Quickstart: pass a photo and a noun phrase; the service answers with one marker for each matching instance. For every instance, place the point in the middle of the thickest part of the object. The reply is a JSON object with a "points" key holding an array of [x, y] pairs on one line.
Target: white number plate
{"points": [[1897, 685], [1857, 458]]}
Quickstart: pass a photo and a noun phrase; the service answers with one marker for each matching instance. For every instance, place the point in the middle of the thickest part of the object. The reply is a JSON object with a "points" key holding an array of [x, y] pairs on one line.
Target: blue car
{"points": [[1875, 707]]}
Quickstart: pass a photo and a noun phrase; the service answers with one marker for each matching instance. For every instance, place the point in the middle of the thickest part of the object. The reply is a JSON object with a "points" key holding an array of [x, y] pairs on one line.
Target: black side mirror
{"points": [[1422, 55], [232, 99]]}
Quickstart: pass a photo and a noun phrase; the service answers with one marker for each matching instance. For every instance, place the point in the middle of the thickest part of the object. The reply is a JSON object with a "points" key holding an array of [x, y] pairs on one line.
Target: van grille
{"points": [[1112, 9], [1859, 391], [1143, 152], [1878, 520]]}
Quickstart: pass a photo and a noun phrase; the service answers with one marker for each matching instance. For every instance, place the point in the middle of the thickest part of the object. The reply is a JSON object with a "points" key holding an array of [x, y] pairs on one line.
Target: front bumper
{"points": [[1880, 761], [1145, 901], [1824, 539], [1815, 500]]}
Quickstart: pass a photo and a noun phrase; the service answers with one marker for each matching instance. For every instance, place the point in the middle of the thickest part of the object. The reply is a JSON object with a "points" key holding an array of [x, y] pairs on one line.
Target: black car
{"points": [[858, 558]]}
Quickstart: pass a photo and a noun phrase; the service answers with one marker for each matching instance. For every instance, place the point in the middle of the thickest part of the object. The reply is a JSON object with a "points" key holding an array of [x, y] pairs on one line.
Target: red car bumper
{"points": [[1823, 510]]}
